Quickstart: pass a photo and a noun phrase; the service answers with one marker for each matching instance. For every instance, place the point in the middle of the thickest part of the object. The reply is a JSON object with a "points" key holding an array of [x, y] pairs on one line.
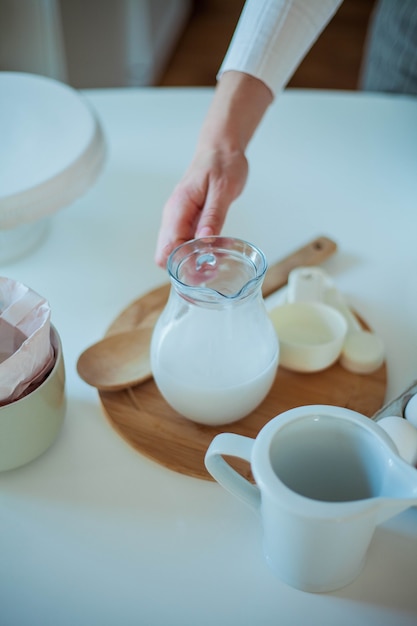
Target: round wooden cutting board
{"points": [[143, 418]]}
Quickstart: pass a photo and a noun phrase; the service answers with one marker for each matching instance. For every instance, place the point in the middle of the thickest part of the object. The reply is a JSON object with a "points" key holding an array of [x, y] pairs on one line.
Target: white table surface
{"points": [[92, 533]]}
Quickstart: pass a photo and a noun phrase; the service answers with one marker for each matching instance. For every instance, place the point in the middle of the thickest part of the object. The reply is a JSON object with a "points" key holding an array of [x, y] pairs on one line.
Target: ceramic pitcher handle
{"points": [[237, 446]]}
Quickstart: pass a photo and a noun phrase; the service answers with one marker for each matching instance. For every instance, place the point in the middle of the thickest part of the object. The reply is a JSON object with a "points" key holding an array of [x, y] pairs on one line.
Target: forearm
{"points": [[238, 105]]}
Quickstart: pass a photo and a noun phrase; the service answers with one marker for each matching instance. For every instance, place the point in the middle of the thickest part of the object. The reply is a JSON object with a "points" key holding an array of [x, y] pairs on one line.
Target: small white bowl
{"points": [[29, 426], [311, 335]]}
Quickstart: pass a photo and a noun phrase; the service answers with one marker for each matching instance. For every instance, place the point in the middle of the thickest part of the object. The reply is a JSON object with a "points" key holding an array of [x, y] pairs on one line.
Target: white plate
{"points": [[51, 150]]}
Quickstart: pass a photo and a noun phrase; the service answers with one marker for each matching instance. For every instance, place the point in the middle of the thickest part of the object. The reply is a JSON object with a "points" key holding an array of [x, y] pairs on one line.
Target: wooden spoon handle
{"points": [[313, 253]]}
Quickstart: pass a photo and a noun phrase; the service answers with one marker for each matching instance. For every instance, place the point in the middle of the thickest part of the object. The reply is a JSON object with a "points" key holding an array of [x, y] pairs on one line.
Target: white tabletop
{"points": [[92, 533]]}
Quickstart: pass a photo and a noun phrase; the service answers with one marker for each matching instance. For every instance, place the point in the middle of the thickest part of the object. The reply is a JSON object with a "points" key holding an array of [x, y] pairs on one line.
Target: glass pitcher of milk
{"points": [[214, 350]]}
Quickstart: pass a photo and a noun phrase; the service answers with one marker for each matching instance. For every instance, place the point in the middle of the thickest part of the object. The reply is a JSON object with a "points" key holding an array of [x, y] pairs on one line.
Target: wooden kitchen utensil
{"points": [[117, 361]]}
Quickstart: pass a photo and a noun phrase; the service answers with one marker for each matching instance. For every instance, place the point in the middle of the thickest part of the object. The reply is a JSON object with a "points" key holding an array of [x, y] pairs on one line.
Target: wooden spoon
{"points": [[117, 361], [122, 359]]}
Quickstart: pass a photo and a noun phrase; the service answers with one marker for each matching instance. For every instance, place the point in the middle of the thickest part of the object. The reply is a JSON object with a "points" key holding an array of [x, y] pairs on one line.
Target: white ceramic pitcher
{"points": [[325, 478]]}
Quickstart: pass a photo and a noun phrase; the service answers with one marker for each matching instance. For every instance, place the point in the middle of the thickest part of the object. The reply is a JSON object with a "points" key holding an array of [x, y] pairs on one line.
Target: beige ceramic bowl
{"points": [[310, 334], [29, 426]]}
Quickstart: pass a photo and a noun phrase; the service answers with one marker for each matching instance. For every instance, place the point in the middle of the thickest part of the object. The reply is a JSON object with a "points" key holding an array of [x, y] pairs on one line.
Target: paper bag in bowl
{"points": [[26, 353]]}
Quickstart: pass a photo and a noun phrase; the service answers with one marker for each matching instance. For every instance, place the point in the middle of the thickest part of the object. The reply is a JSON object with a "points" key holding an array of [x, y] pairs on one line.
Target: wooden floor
{"points": [[332, 63]]}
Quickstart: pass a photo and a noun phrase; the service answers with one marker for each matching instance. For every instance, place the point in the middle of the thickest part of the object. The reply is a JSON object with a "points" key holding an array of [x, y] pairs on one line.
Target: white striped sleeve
{"points": [[273, 36]]}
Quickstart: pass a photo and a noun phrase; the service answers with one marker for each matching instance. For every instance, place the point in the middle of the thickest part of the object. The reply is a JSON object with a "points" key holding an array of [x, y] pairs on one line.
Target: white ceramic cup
{"points": [[325, 477], [29, 426]]}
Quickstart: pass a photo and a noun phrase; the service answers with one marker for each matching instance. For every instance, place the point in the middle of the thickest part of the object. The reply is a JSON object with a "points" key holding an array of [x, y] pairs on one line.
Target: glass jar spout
{"points": [[217, 269]]}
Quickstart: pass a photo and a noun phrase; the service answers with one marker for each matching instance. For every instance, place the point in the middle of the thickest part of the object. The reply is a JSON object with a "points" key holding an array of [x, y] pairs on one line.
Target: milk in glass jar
{"points": [[214, 350]]}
